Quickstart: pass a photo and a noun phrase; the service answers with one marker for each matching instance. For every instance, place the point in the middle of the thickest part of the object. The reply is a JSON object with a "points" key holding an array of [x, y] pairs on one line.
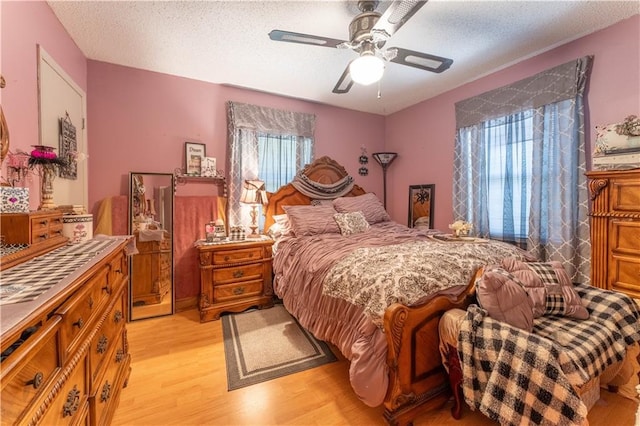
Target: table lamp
{"points": [[253, 193]]}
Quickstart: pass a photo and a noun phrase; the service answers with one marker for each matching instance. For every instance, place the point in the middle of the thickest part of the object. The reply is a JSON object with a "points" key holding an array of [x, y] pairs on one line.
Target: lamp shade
{"points": [[384, 158], [253, 192], [367, 69]]}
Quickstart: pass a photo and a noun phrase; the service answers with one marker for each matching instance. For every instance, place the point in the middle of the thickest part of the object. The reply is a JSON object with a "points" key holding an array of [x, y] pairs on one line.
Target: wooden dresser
{"points": [[615, 230], [65, 355], [31, 228], [151, 272], [234, 277]]}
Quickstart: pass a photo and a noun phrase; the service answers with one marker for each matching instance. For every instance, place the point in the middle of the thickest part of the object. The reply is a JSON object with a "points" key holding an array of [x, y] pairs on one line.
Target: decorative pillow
{"points": [[549, 288], [312, 220], [280, 228], [368, 204], [351, 223], [504, 298], [322, 202]]}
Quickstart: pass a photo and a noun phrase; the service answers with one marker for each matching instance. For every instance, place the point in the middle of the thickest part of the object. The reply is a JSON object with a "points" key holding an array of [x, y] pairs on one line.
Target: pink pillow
{"points": [[549, 288], [504, 298], [312, 220], [368, 204]]}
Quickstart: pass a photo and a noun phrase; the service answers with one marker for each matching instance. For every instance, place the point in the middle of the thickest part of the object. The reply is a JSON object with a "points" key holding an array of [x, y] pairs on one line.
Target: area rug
{"points": [[261, 345]]}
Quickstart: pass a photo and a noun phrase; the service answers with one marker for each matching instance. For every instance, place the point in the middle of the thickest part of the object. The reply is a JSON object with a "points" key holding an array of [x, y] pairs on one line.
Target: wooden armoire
{"points": [[615, 230]]}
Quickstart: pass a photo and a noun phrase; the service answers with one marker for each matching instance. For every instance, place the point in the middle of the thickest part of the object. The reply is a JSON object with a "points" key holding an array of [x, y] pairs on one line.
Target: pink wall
{"points": [[424, 134], [24, 26], [139, 121]]}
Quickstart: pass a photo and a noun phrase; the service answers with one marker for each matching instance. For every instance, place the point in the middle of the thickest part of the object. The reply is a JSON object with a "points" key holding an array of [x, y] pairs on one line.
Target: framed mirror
{"points": [[151, 289]]}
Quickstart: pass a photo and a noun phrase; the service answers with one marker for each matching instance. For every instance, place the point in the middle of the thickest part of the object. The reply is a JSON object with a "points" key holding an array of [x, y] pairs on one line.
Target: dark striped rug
{"points": [[261, 345]]}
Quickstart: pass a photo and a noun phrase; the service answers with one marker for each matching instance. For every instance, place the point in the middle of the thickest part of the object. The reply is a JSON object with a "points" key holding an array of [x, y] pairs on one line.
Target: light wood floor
{"points": [[178, 378]]}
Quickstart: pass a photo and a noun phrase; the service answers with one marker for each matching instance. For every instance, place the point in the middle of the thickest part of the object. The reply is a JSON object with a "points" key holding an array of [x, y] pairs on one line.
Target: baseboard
{"points": [[186, 304]]}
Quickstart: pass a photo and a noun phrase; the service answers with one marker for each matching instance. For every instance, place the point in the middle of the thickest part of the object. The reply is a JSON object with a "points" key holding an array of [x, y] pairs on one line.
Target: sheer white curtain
{"points": [[519, 165], [260, 141]]}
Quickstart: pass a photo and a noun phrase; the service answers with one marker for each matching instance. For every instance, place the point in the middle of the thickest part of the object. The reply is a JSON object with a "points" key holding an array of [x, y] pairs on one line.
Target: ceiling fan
{"points": [[368, 33]]}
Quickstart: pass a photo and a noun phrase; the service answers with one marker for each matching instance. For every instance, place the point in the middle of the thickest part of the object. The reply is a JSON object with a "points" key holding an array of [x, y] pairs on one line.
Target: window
{"points": [[281, 157], [508, 152]]}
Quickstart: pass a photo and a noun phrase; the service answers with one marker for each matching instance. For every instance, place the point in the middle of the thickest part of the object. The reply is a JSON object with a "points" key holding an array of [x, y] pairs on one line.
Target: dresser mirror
{"points": [[151, 291]]}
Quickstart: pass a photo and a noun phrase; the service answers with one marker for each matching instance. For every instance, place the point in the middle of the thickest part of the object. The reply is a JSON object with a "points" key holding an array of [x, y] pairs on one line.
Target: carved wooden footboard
{"points": [[418, 382]]}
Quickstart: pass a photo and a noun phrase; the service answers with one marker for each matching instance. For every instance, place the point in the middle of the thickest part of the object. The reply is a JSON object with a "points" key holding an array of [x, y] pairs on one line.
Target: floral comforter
{"points": [[376, 277]]}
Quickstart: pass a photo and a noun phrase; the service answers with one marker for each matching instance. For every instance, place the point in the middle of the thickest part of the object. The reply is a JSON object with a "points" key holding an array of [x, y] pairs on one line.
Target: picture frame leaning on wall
{"points": [[421, 199], [193, 155]]}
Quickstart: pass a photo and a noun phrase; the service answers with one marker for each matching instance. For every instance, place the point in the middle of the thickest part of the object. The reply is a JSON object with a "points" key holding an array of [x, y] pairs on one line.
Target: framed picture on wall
{"points": [[421, 206], [194, 154]]}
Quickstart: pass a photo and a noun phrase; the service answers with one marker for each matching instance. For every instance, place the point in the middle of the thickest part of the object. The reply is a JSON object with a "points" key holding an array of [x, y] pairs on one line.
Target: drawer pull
{"points": [[106, 392], [117, 316], [238, 291], [239, 273], [250, 254], [90, 302], [43, 222], [36, 381], [79, 323], [73, 402], [119, 356], [42, 236], [102, 344], [106, 289], [226, 258]]}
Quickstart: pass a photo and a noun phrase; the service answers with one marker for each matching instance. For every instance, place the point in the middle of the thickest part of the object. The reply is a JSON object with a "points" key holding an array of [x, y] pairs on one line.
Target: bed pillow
{"points": [[312, 220], [351, 223], [549, 288], [368, 204], [504, 298], [280, 228]]}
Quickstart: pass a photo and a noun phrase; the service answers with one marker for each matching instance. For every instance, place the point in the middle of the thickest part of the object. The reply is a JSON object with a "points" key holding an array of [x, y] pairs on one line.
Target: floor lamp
{"points": [[384, 159]]}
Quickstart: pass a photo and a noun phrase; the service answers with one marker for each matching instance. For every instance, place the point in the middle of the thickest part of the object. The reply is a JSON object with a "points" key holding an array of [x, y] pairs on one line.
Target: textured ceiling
{"points": [[226, 42]]}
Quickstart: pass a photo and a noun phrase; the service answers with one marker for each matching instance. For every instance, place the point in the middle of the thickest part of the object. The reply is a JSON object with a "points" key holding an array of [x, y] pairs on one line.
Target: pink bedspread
{"points": [[300, 267]]}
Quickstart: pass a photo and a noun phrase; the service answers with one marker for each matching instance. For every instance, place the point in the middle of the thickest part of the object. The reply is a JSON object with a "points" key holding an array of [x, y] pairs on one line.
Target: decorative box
{"points": [[77, 227], [237, 233], [14, 199]]}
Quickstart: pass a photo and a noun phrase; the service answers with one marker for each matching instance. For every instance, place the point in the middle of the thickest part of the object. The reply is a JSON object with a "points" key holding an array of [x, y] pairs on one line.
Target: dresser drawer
{"points": [[69, 407], [29, 370], [236, 256], [238, 273], [105, 394], [226, 292], [106, 337], [78, 313]]}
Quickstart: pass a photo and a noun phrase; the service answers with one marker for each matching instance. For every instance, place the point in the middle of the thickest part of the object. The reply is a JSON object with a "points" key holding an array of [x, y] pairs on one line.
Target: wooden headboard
{"points": [[324, 170]]}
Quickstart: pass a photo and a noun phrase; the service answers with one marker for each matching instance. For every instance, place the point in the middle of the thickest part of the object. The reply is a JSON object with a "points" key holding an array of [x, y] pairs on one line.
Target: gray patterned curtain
{"points": [[245, 123], [555, 195]]}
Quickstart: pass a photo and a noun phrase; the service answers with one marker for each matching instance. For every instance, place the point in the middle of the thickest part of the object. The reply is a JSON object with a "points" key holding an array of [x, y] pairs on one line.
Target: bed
{"points": [[332, 282], [520, 360]]}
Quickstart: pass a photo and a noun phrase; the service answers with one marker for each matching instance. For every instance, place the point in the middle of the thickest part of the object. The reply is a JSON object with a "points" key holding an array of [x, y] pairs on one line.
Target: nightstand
{"points": [[234, 276]]}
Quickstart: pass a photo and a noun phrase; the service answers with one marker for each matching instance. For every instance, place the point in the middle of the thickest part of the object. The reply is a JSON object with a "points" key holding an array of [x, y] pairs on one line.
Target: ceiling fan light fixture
{"points": [[367, 69]]}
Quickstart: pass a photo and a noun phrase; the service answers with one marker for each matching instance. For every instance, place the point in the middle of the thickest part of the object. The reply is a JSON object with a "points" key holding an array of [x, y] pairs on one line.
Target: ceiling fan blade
{"points": [[396, 16], [344, 83], [279, 35], [424, 61]]}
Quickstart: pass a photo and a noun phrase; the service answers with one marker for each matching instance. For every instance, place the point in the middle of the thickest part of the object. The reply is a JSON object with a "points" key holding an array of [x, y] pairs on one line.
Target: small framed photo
{"points": [[193, 156], [421, 206], [208, 168]]}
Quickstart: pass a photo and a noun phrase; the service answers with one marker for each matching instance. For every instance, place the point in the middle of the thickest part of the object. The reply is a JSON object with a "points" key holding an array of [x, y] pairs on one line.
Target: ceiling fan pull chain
{"points": [[379, 84]]}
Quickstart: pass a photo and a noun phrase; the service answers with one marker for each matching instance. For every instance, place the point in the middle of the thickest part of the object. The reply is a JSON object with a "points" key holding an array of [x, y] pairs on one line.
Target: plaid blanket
{"points": [[516, 377]]}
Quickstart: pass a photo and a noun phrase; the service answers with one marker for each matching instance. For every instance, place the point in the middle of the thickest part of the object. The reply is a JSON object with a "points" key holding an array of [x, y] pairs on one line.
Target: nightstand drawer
{"points": [[237, 256], [238, 273], [237, 291]]}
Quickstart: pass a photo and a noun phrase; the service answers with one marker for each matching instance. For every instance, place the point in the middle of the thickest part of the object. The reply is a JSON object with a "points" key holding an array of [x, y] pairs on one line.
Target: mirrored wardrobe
{"points": [[151, 291]]}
